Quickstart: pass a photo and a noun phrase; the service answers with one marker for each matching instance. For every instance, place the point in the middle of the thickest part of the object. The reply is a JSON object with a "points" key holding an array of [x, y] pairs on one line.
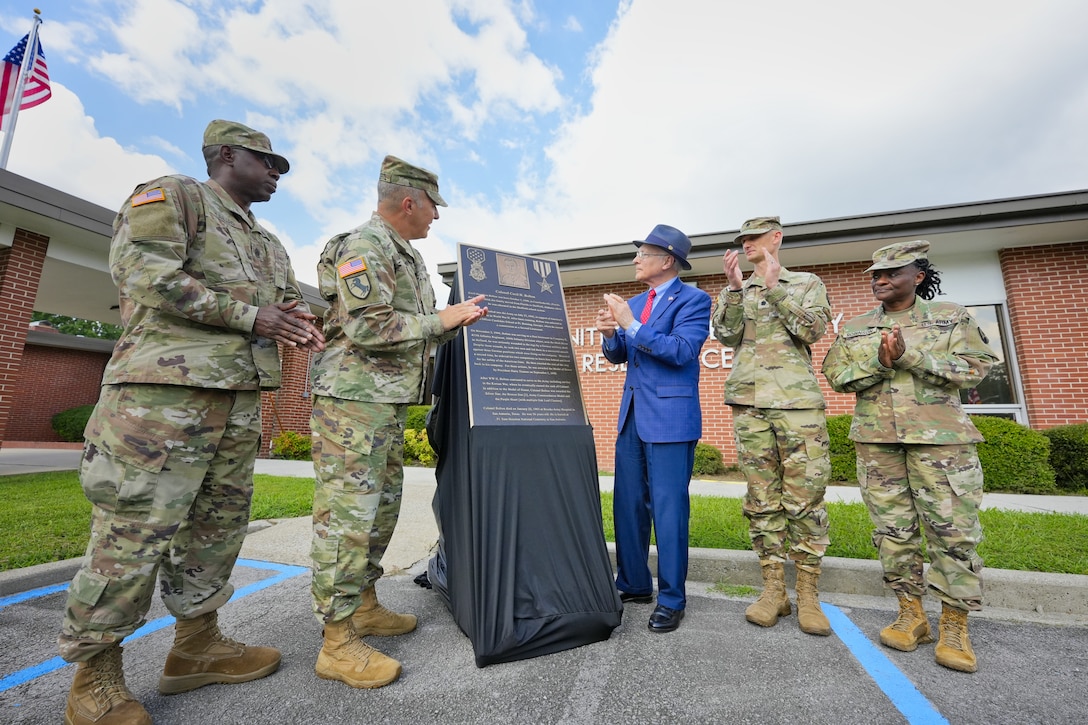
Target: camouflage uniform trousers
{"points": [[169, 470], [786, 457], [358, 450], [939, 487]]}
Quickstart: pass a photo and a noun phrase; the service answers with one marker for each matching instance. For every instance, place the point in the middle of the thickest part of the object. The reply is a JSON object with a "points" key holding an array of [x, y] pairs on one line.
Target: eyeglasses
{"points": [[643, 255], [269, 162]]}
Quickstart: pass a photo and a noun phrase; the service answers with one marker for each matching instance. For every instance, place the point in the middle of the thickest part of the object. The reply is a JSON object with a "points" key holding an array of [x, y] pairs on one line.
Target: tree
{"points": [[76, 326]]}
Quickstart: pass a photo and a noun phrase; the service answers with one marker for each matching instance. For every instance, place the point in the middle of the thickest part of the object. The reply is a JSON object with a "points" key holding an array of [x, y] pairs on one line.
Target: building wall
{"points": [[1049, 311], [51, 380], [602, 384], [289, 407], [20, 271], [1039, 281]]}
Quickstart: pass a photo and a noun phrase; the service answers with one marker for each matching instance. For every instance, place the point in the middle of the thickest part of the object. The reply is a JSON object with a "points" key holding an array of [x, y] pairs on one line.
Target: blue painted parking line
{"points": [[913, 705], [283, 573], [31, 594]]}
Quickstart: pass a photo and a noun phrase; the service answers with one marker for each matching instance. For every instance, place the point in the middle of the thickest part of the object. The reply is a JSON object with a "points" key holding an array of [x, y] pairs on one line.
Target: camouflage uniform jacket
{"points": [[381, 323], [770, 331], [192, 268], [917, 400]]}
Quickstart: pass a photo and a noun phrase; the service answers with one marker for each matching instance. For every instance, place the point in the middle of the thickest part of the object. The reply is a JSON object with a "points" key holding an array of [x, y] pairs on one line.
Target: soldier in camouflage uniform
{"points": [[770, 320], [907, 360], [206, 295], [381, 327]]}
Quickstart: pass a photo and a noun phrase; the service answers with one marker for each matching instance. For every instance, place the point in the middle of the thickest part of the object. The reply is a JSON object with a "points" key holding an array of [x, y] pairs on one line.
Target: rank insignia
{"points": [[149, 196], [359, 285], [351, 267]]}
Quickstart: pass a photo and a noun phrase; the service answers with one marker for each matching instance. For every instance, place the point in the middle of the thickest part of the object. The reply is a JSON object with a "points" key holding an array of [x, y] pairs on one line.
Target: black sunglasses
{"points": [[269, 162]]}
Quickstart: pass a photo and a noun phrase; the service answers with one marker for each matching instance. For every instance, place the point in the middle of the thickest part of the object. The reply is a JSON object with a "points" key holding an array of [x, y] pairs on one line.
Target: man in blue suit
{"points": [[659, 334]]}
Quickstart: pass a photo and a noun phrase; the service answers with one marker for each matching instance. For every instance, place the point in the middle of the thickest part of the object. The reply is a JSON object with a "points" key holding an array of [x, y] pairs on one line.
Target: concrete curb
{"points": [[1039, 593], [15, 581], [1008, 593]]}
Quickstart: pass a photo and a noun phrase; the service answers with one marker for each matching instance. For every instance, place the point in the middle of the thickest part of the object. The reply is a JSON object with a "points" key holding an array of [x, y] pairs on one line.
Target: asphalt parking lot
{"points": [[1031, 642], [716, 668]]}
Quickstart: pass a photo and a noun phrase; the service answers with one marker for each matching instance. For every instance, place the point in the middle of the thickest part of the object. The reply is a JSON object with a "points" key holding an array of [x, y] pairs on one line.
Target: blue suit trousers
{"points": [[651, 486]]}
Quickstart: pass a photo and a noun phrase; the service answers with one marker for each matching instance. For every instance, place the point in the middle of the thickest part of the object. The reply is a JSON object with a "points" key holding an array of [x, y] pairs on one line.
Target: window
{"points": [[999, 393]]}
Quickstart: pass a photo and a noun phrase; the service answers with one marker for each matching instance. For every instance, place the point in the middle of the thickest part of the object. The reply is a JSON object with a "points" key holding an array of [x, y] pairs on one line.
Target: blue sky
{"points": [[560, 124]]}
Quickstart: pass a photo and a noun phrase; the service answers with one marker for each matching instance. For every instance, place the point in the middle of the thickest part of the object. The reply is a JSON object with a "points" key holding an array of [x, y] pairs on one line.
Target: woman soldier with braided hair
{"points": [[917, 467]]}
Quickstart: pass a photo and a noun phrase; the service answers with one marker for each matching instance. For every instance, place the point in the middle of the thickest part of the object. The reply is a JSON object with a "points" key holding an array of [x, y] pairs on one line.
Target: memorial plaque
{"points": [[520, 358]]}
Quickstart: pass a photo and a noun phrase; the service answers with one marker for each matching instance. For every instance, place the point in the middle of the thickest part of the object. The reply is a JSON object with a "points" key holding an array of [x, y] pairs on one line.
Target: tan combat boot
{"points": [[203, 656], [954, 646], [99, 695], [810, 616], [350, 660], [773, 602], [373, 618], [910, 628]]}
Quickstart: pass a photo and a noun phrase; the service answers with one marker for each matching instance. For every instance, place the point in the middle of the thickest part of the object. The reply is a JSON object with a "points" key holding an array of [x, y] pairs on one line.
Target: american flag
{"points": [[352, 267], [35, 91]]}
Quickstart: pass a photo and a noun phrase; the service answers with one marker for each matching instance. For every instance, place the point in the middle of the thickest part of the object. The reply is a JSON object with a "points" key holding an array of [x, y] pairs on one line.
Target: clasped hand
{"points": [[615, 314], [892, 346], [284, 323]]}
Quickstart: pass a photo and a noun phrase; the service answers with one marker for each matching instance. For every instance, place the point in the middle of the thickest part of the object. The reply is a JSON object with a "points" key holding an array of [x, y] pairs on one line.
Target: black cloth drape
{"points": [[522, 562]]}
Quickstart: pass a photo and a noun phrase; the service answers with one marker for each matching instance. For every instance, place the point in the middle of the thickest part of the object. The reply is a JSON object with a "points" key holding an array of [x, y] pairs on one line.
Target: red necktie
{"points": [[648, 308]]}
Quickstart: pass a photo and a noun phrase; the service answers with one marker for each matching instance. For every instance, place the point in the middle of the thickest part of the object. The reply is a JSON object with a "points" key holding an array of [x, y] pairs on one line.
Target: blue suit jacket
{"points": [[663, 364]]}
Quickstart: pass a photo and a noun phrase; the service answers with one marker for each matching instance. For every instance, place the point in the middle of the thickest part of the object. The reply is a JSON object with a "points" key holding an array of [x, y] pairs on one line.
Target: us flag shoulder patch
{"points": [[149, 196], [354, 266]]}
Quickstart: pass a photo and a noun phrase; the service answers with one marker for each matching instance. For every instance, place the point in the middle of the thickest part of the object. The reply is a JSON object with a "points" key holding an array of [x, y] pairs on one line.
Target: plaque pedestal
{"points": [[522, 561]]}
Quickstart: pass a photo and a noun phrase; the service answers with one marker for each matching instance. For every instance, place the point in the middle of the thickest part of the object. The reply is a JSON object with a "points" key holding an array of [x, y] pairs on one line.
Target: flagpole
{"points": [[29, 57]]}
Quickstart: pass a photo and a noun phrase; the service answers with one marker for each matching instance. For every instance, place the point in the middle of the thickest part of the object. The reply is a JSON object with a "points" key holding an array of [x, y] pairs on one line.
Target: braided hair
{"points": [[930, 286]]}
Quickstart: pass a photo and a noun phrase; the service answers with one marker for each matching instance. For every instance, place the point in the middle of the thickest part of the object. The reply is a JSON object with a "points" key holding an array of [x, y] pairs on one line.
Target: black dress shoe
{"points": [[664, 619], [626, 597]]}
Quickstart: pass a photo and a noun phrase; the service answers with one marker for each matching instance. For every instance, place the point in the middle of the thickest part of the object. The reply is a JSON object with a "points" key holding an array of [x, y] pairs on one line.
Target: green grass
{"points": [[281, 497], [735, 590], [46, 518], [1011, 539]]}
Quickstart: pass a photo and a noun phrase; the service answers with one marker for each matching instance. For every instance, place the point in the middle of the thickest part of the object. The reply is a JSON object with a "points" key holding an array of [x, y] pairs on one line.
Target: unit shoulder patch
{"points": [[359, 285]]}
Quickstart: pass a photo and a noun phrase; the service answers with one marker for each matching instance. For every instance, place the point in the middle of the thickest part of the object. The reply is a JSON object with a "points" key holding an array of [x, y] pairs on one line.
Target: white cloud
{"points": [[57, 144], [169, 148], [155, 37], [818, 114], [701, 114]]}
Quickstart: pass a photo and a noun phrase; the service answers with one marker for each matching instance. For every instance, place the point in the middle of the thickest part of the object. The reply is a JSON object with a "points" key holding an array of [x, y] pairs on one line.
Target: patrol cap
{"points": [[672, 240], [759, 225], [899, 254], [232, 133], [400, 172]]}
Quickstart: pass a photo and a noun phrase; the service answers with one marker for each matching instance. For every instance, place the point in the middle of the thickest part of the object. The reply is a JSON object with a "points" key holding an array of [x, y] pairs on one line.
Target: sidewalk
{"points": [[1009, 594], [714, 669], [17, 459]]}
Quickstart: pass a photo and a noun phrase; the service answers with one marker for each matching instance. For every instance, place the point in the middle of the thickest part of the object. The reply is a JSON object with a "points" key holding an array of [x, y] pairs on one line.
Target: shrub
{"points": [[69, 424], [844, 459], [708, 460], [417, 417], [292, 446], [417, 449], [1069, 455], [1014, 458]]}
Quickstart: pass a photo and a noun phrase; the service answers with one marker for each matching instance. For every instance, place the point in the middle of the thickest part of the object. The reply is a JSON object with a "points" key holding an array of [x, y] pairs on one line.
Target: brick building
{"points": [[1017, 263], [54, 251]]}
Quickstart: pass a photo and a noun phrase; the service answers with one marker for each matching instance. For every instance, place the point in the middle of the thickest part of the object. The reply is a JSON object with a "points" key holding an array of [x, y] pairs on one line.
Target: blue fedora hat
{"points": [[672, 240]]}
